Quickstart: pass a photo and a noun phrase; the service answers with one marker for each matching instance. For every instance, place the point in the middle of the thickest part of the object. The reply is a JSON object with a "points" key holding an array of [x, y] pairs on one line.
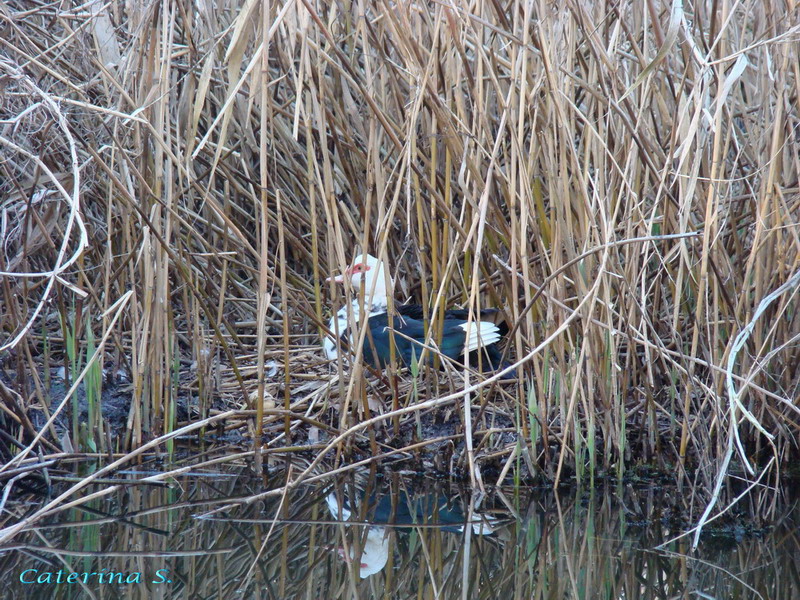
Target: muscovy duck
{"points": [[406, 329]]}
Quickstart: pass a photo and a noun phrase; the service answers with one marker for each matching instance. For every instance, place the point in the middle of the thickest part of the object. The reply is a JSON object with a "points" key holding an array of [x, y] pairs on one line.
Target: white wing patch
{"points": [[329, 343], [333, 507], [480, 334]]}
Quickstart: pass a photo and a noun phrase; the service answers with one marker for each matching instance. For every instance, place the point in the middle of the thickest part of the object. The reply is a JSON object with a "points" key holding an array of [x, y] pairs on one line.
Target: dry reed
{"points": [[620, 178]]}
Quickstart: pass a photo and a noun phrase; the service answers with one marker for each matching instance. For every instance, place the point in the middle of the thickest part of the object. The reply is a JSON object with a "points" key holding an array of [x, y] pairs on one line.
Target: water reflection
{"points": [[384, 509], [402, 537]]}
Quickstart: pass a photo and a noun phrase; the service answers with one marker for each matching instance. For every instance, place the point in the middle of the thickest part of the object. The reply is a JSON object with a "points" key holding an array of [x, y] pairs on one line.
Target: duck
{"points": [[406, 329]]}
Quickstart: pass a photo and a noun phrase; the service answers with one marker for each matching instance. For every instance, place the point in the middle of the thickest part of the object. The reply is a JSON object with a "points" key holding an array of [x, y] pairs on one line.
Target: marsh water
{"points": [[230, 534]]}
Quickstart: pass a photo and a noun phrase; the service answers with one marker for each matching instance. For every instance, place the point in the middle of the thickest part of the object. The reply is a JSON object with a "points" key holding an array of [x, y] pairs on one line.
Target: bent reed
{"points": [[620, 178]]}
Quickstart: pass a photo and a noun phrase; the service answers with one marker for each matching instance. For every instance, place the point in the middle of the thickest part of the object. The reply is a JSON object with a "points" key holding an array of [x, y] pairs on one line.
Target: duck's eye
{"points": [[359, 268]]}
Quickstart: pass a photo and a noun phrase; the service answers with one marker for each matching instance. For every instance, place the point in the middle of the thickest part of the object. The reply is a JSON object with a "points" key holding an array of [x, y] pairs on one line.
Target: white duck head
{"points": [[375, 553], [367, 270]]}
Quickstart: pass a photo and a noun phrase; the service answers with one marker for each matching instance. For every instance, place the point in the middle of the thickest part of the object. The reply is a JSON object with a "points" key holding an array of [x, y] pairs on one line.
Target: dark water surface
{"points": [[204, 536]]}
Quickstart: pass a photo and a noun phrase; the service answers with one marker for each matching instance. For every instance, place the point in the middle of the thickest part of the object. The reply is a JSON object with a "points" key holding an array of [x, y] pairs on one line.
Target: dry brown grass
{"points": [[621, 177]]}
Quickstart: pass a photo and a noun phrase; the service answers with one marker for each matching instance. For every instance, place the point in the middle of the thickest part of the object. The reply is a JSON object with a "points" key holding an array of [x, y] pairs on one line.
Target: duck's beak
{"points": [[337, 278]]}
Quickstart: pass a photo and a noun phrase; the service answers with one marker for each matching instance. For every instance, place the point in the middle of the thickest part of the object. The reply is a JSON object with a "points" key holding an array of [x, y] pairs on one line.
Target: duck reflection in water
{"points": [[425, 509]]}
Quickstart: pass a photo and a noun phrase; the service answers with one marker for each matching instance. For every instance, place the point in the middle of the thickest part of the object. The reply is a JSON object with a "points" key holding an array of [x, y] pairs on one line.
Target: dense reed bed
{"points": [[178, 179]]}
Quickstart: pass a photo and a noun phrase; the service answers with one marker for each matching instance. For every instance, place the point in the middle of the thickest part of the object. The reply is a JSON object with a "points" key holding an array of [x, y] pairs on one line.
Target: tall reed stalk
{"points": [[620, 178]]}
